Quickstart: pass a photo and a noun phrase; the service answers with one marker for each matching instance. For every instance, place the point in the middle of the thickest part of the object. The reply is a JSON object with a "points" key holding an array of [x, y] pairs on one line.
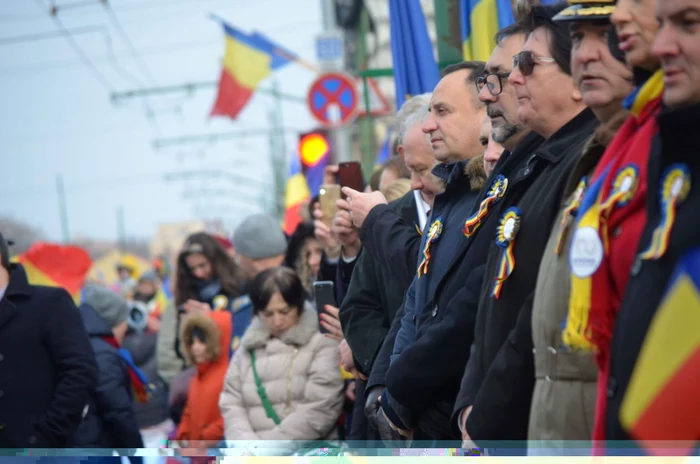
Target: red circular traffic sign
{"points": [[332, 99]]}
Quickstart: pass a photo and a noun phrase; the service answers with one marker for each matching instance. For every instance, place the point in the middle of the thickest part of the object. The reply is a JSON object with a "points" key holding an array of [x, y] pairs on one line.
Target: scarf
{"points": [[139, 383], [617, 189]]}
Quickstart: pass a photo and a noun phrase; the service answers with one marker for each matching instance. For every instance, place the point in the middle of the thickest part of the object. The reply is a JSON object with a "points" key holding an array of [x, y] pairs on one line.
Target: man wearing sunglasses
{"points": [[499, 378], [564, 397]]}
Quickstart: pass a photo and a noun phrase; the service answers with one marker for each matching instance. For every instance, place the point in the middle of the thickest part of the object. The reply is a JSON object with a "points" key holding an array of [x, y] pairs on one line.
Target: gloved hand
{"points": [[373, 403], [389, 435]]}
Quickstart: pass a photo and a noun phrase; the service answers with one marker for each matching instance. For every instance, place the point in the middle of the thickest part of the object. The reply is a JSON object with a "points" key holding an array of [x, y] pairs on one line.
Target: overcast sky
{"points": [[56, 116]]}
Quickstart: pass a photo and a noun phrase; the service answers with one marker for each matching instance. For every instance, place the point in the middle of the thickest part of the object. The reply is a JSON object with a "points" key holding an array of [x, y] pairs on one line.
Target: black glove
{"points": [[389, 436], [372, 404]]}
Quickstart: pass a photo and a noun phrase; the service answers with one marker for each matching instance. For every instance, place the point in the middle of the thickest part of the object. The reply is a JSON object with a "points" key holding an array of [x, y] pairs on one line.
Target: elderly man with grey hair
{"points": [[390, 238]]}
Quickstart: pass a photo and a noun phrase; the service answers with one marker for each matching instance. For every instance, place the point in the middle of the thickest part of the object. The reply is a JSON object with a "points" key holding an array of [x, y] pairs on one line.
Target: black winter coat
{"points": [[377, 288], [110, 421], [445, 331], [677, 142], [500, 386], [47, 369]]}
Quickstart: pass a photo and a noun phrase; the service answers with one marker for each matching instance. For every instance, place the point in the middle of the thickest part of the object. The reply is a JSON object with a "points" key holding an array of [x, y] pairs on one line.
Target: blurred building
{"points": [[169, 238]]}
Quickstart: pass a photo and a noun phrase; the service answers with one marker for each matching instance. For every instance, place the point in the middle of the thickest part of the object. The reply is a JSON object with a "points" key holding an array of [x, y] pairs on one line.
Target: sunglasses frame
{"points": [[531, 62]]}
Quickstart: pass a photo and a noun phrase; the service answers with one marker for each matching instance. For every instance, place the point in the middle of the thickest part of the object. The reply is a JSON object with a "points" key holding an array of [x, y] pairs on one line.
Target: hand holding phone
{"points": [[350, 175], [324, 294]]}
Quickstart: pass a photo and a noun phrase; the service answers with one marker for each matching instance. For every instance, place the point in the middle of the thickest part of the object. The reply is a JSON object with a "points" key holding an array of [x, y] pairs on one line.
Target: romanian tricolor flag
{"points": [[57, 266], [662, 401], [481, 20], [249, 59], [296, 195]]}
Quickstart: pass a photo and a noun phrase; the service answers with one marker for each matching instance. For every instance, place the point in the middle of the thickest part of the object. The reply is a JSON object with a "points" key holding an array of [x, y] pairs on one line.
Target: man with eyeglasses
{"points": [[494, 401]]}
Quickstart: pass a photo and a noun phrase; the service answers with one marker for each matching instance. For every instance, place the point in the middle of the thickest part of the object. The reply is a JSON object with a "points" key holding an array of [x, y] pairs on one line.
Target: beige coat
{"points": [[563, 402], [301, 376], [169, 364]]}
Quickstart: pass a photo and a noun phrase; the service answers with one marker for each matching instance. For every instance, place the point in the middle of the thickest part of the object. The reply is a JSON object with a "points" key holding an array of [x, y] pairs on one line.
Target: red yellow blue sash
{"points": [[569, 213], [591, 310], [674, 189], [496, 192], [433, 235], [505, 238]]}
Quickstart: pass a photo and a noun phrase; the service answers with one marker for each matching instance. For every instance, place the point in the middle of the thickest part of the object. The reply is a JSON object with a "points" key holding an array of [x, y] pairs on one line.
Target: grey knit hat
{"points": [[259, 237], [110, 306]]}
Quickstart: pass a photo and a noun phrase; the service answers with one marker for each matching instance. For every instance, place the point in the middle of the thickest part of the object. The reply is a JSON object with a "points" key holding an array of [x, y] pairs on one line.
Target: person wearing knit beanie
{"points": [[109, 306], [260, 244]]}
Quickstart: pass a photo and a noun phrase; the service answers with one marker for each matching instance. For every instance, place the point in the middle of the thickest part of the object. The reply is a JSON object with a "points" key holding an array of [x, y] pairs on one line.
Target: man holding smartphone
{"points": [[454, 124]]}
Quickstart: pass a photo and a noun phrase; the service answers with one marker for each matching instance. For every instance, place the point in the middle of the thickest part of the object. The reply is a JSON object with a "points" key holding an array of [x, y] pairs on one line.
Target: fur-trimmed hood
{"points": [[474, 169], [211, 330], [257, 335]]}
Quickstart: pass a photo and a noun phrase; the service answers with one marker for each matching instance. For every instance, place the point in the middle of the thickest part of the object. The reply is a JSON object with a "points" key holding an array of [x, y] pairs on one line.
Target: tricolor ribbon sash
{"points": [[674, 189], [589, 246], [505, 238], [623, 189], [496, 192], [433, 235], [569, 212]]}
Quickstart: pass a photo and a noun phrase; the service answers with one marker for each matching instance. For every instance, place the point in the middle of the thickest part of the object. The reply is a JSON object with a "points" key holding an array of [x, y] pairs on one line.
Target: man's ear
{"points": [[400, 150]]}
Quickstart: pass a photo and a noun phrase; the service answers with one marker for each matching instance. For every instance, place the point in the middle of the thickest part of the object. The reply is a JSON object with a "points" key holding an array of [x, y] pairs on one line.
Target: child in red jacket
{"points": [[205, 340]]}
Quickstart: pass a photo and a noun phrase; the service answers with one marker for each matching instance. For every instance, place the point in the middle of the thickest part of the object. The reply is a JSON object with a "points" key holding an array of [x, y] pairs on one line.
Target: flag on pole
{"points": [[296, 195], [249, 59], [480, 23], [57, 266], [662, 401], [415, 68]]}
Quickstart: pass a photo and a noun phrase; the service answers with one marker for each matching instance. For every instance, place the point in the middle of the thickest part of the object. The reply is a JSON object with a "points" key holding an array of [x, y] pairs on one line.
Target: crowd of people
{"points": [[500, 279]]}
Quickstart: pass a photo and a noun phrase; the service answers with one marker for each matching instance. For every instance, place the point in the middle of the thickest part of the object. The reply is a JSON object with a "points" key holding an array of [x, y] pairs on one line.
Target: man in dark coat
{"points": [[660, 305], [454, 126], [47, 368], [109, 420], [499, 377], [378, 285]]}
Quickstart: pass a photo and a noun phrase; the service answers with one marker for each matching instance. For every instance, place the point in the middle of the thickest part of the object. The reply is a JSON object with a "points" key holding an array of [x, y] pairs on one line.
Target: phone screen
{"points": [[350, 175], [324, 294], [327, 196]]}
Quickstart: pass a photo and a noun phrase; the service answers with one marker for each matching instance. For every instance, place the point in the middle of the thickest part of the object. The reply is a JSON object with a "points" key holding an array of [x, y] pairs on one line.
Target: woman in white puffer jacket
{"points": [[296, 364]]}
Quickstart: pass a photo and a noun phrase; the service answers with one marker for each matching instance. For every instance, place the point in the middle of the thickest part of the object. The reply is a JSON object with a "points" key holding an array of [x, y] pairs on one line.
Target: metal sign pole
{"points": [[339, 136]]}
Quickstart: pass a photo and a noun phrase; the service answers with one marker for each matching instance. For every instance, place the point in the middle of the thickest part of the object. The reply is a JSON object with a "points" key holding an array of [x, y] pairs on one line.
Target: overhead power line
{"points": [[210, 138], [190, 88], [83, 57], [49, 35], [127, 40]]}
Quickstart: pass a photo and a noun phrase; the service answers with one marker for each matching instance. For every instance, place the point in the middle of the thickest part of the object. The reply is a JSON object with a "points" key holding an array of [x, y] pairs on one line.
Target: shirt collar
{"points": [[422, 207]]}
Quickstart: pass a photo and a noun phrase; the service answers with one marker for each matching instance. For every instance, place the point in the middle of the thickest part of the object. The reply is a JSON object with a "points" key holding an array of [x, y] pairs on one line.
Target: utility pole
{"points": [[278, 158], [447, 27], [366, 130], [341, 135], [62, 209], [121, 229]]}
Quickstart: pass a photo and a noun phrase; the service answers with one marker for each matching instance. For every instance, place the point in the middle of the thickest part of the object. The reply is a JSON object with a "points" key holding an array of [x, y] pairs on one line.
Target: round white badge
{"points": [[508, 228], [677, 187], [626, 184], [586, 252]]}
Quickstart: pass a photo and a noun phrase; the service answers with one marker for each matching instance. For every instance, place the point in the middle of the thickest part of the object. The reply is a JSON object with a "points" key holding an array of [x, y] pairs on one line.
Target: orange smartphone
{"points": [[327, 196], [350, 175]]}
